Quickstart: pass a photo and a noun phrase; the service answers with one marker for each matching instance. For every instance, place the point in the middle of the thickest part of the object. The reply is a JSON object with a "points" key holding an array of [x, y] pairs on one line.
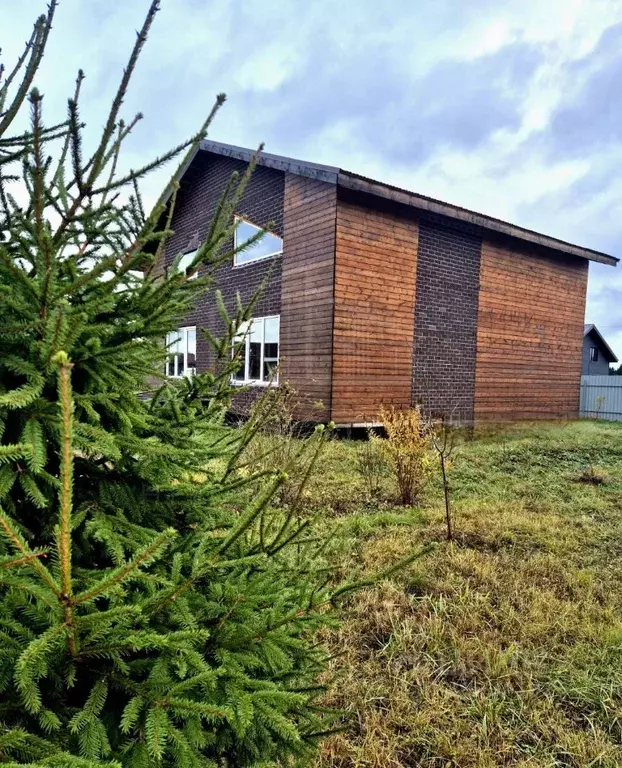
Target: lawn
{"points": [[504, 648]]}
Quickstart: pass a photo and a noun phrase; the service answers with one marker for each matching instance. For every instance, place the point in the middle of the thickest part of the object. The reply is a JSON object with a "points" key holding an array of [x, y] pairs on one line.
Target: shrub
{"points": [[407, 447]]}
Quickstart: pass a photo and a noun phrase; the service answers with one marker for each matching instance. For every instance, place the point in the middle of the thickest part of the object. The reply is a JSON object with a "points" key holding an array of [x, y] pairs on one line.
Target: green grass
{"points": [[504, 648]]}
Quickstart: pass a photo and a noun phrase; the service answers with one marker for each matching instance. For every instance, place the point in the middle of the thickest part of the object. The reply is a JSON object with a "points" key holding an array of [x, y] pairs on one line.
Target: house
{"points": [[597, 354], [377, 295]]}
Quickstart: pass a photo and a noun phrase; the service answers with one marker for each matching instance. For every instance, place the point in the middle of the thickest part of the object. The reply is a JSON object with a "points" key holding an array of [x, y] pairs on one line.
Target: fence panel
{"points": [[601, 397]]}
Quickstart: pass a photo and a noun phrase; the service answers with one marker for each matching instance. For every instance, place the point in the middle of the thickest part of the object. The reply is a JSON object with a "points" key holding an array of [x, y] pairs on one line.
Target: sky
{"points": [[508, 107]]}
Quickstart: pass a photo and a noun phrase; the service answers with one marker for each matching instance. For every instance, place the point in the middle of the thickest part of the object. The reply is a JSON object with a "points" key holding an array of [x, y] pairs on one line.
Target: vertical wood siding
{"points": [[530, 334], [307, 292], [375, 269]]}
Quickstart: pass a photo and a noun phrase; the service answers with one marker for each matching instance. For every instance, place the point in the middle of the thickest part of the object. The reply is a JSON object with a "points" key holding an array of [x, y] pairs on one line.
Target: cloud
{"points": [[512, 108], [591, 118], [456, 104]]}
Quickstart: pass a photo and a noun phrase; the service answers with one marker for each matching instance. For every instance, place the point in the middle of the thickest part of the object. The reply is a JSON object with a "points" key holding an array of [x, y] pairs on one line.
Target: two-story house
{"points": [[377, 295]]}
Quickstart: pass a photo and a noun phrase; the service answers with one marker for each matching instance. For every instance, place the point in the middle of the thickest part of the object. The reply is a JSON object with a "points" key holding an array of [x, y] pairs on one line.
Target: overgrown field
{"points": [[504, 648]]}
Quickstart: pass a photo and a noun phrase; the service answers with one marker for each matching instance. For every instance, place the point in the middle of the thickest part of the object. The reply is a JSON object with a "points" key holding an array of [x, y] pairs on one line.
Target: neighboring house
{"points": [[380, 296], [597, 354]]}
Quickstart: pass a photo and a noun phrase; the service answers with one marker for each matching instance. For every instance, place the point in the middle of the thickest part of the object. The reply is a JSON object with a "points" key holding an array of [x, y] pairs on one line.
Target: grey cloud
{"points": [[362, 74], [587, 209], [404, 118], [593, 118]]}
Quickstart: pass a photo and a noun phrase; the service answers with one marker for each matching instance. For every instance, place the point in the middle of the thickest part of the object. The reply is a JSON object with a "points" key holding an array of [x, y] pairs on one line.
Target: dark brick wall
{"points": [[262, 203], [448, 262]]}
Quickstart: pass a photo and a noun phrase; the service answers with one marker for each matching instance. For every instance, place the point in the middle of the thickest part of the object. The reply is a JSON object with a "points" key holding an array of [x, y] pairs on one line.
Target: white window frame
{"points": [[245, 334], [237, 264], [188, 372]]}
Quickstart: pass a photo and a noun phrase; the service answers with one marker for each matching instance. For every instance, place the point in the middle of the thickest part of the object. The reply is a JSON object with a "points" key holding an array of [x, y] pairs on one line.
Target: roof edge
{"points": [[353, 181], [299, 167]]}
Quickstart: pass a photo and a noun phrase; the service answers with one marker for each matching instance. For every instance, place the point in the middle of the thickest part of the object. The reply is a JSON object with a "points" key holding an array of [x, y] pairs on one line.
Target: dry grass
{"points": [[504, 648]]}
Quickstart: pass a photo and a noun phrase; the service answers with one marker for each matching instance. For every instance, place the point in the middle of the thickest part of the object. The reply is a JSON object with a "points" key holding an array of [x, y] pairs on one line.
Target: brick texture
{"points": [[262, 203], [448, 262]]}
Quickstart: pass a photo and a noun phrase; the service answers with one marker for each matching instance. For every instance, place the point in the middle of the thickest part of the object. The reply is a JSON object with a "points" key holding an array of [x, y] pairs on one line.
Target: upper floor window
{"points": [[186, 261], [264, 247], [593, 354], [182, 349], [259, 356]]}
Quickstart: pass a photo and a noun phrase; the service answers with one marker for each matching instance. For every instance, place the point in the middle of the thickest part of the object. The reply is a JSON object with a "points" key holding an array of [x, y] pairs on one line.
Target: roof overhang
{"points": [[355, 182], [278, 162], [361, 184]]}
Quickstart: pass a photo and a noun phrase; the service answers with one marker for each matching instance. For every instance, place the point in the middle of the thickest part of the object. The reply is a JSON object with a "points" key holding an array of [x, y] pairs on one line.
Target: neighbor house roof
{"points": [[354, 181], [591, 329]]}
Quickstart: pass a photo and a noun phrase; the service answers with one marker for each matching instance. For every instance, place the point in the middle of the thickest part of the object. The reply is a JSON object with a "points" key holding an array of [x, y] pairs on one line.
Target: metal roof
{"points": [[353, 181]]}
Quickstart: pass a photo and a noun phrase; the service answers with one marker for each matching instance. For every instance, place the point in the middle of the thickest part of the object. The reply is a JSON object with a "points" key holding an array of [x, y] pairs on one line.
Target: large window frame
{"points": [[182, 348], [268, 361], [253, 259]]}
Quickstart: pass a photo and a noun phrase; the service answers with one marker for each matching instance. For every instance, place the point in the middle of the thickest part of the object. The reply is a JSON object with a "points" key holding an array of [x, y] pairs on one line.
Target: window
{"points": [[185, 262], [259, 353], [593, 354], [182, 348], [264, 247]]}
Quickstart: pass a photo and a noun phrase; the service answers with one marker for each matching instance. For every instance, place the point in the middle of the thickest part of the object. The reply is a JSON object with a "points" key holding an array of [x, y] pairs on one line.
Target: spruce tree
{"points": [[156, 607]]}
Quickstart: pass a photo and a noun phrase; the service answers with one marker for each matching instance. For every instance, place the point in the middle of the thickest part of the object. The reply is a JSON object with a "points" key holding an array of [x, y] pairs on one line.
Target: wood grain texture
{"points": [[530, 334], [375, 268], [307, 293]]}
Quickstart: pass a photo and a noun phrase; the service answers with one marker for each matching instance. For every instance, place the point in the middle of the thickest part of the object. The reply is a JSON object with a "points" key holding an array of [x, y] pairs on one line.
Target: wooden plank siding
{"points": [[375, 269], [530, 334], [307, 293]]}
